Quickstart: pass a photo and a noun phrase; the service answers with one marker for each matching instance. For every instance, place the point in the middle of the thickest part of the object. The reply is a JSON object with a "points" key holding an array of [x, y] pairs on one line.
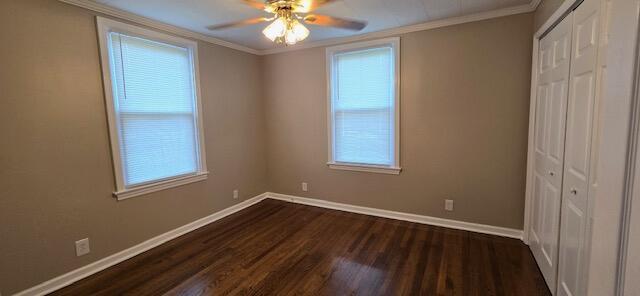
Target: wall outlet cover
{"points": [[235, 194], [448, 205], [82, 247], [305, 186]]}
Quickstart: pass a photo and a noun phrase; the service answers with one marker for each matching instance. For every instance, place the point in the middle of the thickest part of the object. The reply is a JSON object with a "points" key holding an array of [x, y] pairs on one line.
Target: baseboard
{"points": [[87, 270], [475, 227], [102, 264]]}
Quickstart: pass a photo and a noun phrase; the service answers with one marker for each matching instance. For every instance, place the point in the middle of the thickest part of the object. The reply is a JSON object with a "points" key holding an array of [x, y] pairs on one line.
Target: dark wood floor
{"points": [[278, 248]]}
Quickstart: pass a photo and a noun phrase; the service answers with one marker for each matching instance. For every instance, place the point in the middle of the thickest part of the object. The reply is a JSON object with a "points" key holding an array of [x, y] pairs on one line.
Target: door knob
{"points": [[552, 173], [574, 191]]}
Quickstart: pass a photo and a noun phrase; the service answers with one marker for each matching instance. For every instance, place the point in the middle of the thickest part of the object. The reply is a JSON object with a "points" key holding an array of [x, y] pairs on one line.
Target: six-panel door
{"points": [[578, 149], [549, 139]]}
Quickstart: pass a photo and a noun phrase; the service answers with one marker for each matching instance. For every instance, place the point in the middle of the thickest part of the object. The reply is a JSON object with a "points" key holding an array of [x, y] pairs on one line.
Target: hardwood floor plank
{"points": [[279, 248]]}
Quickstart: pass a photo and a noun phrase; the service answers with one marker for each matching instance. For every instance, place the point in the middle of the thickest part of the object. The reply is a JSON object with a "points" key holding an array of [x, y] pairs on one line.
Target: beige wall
{"points": [[544, 11], [56, 176], [464, 120], [464, 104]]}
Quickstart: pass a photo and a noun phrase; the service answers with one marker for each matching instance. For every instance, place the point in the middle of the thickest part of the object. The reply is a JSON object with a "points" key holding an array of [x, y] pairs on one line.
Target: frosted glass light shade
{"points": [[300, 31], [290, 38], [276, 29]]}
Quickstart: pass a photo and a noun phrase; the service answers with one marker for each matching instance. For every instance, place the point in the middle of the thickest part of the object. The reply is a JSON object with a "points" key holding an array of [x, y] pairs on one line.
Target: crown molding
{"points": [[114, 12], [525, 8], [534, 4]]}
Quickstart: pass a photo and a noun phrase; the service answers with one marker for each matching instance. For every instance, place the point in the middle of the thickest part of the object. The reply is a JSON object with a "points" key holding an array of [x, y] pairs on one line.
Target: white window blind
{"points": [[363, 106], [155, 110]]}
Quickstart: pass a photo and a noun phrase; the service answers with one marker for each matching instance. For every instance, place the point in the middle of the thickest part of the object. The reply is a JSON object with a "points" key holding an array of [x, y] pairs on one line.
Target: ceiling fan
{"points": [[288, 16]]}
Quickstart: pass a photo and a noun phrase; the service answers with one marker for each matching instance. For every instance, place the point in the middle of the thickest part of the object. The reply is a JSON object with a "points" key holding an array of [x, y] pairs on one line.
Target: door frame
{"points": [[630, 207], [631, 197]]}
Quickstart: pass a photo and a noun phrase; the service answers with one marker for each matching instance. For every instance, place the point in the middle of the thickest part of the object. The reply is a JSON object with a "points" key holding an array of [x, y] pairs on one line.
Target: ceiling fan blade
{"points": [[238, 24], [255, 4], [329, 21], [305, 6]]}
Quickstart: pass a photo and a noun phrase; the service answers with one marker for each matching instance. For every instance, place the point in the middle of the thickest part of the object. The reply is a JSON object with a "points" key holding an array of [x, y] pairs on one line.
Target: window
{"points": [[364, 106], [151, 88]]}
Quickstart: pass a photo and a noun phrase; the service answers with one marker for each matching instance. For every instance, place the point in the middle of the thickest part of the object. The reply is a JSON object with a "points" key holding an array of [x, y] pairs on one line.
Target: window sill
{"points": [[364, 168], [153, 187]]}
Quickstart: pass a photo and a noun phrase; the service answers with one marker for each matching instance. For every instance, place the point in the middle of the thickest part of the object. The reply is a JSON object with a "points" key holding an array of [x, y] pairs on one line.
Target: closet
{"points": [[563, 129]]}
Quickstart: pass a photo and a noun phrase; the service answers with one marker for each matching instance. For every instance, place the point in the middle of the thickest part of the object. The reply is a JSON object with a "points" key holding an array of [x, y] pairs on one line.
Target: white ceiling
{"points": [[195, 15]]}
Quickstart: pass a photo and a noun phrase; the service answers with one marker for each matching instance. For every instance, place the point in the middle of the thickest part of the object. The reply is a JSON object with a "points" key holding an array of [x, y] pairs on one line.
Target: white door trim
{"points": [[631, 189], [632, 183]]}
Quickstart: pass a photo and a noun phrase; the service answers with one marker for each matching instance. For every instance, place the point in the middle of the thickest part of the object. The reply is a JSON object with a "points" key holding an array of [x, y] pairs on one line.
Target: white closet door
{"points": [[578, 148], [549, 139]]}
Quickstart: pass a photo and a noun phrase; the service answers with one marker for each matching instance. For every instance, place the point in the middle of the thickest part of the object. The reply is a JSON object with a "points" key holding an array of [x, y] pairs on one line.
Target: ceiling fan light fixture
{"points": [[290, 38], [276, 29], [299, 30], [288, 19], [287, 30]]}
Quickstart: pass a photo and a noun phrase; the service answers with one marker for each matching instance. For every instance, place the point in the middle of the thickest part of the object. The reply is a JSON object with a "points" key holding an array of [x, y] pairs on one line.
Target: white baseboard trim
{"points": [[87, 270], [102, 264], [474, 227]]}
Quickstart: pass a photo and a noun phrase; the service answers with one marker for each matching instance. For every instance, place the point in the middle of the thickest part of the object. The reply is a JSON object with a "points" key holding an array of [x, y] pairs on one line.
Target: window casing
{"points": [[363, 106], [152, 96]]}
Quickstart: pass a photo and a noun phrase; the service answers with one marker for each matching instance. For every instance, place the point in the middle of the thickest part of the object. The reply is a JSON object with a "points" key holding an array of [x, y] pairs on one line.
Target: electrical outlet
{"points": [[448, 205], [305, 187], [235, 194], [82, 247]]}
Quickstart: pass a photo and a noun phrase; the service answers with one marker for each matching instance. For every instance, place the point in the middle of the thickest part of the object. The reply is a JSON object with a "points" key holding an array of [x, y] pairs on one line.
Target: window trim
{"points": [[106, 26], [395, 168]]}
